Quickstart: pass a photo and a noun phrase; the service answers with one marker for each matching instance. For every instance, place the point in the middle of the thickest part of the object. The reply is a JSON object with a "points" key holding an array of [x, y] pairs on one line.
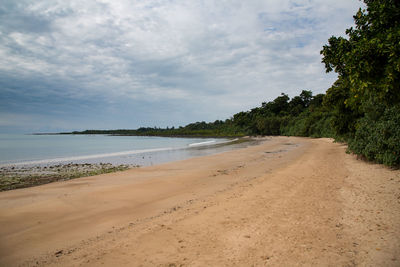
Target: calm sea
{"points": [[18, 149]]}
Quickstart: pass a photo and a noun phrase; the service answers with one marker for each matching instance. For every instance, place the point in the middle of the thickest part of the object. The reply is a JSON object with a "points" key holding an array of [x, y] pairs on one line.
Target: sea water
{"points": [[19, 149]]}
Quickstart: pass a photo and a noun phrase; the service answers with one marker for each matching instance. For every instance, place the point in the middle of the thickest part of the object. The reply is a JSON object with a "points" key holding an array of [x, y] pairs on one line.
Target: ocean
{"points": [[20, 149]]}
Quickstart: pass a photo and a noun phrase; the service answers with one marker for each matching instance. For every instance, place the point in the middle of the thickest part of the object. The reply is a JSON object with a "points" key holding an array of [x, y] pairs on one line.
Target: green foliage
{"points": [[378, 139], [268, 125], [366, 96], [280, 105], [302, 115], [197, 129], [310, 123], [368, 62], [343, 117]]}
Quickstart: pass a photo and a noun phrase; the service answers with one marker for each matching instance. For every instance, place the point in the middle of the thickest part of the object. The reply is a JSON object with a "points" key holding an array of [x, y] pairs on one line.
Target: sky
{"points": [[116, 64]]}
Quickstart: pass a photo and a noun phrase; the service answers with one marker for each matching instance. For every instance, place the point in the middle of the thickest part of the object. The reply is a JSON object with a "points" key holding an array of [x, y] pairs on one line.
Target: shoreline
{"points": [[284, 202], [83, 158], [33, 173]]}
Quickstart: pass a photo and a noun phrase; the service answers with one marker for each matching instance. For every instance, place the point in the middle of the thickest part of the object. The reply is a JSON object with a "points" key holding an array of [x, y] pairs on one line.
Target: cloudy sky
{"points": [[107, 64]]}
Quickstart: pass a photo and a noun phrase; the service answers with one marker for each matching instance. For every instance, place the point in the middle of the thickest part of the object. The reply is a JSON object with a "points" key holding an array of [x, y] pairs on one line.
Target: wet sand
{"points": [[286, 202]]}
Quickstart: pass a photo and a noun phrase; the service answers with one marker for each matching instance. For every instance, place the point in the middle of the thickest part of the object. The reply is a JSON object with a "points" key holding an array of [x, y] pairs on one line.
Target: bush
{"points": [[313, 124], [379, 139], [268, 125]]}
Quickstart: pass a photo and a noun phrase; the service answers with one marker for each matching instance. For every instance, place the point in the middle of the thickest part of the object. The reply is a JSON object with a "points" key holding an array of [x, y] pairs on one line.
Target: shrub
{"points": [[379, 139]]}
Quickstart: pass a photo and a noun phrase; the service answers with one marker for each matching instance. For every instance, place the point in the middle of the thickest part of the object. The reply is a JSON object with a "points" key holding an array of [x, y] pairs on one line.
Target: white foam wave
{"points": [[212, 142], [202, 143], [75, 158]]}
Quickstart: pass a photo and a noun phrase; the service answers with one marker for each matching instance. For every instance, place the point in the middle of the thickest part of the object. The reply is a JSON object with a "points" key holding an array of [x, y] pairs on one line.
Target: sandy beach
{"points": [[285, 202]]}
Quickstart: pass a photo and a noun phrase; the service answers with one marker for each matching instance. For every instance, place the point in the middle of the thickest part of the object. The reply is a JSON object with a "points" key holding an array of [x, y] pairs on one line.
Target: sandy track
{"points": [[286, 202]]}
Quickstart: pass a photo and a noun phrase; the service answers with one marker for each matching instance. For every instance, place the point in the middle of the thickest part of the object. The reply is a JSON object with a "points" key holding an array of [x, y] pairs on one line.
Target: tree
{"points": [[369, 60], [280, 105]]}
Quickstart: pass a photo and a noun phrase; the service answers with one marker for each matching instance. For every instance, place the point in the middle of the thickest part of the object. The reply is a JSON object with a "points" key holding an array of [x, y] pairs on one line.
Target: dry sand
{"points": [[286, 202]]}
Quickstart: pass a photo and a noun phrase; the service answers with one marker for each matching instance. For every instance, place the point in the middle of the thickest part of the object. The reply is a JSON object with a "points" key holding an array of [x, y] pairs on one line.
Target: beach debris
{"points": [[224, 172], [276, 151], [58, 253]]}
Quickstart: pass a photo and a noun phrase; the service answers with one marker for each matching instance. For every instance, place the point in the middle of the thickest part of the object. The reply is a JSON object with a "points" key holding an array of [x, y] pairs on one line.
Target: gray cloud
{"points": [[199, 59]]}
